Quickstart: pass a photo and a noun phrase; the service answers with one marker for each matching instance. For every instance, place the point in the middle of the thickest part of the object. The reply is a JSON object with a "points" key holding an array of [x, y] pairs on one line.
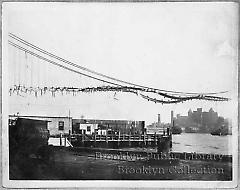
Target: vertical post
{"points": [[170, 141], [95, 138], [119, 135], [147, 140], [60, 139], [65, 141], [82, 135], [126, 128], [107, 134], [159, 145], [144, 142], [69, 125], [139, 142], [172, 115], [69, 136], [159, 120], [129, 140], [155, 138]]}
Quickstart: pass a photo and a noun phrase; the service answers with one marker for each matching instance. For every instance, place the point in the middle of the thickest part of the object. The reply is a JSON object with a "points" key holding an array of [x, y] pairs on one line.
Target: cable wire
{"points": [[97, 73], [59, 65]]}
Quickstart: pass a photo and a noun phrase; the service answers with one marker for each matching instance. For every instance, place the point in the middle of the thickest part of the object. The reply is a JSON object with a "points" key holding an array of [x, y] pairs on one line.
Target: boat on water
{"points": [[176, 130], [219, 132]]}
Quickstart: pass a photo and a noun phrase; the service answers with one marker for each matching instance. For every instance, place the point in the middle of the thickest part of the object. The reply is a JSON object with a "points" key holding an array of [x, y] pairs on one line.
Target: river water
{"points": [[202, 143]]}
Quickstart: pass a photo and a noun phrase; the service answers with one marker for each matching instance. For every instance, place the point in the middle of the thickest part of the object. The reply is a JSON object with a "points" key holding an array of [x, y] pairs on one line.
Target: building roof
{"points": [[38, 116], [100, 121], [31, 119]]}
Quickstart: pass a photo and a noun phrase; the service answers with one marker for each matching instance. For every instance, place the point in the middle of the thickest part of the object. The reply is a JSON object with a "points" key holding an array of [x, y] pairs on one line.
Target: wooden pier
{"points": [[162, 142]]}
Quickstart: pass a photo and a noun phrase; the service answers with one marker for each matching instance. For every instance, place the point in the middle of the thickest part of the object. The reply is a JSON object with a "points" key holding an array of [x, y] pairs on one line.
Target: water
{"points": [[202, 143]]}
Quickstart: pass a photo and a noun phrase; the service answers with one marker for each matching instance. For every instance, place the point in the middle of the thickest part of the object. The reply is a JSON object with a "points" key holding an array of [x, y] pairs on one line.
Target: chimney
{"points": [[171, 118], [159, 119]]}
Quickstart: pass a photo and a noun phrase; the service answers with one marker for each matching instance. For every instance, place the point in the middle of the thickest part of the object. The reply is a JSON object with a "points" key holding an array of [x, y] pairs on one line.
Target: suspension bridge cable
{"points": [[123, 87], [59, 65], [135, 90], [97, 73], [141, 89], [54, 63]]}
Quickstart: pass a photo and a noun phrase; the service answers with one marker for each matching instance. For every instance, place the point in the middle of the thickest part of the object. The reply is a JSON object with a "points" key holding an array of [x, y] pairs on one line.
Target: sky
{"points": [[190, 47]]}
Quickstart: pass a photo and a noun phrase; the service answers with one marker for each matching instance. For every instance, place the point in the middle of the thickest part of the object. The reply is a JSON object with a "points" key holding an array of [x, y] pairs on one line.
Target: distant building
{"points": [[181, 120], [197, 120]]}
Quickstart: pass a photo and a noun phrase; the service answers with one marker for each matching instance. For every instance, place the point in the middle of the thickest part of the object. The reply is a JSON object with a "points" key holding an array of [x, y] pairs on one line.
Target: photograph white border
{"points": [[94, 183]]}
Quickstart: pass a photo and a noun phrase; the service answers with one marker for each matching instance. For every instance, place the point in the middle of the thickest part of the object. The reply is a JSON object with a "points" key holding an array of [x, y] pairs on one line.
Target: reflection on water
{"points": [[202, 143]]}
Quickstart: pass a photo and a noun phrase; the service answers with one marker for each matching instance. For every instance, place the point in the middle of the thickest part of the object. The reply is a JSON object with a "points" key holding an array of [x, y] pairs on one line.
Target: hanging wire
{"points": [[115, 87], [31, 72], [74, 90], [14, 74], [19, 68], [59, 65], [45, 74], [38, 69], [25, 70], [11, 35]]}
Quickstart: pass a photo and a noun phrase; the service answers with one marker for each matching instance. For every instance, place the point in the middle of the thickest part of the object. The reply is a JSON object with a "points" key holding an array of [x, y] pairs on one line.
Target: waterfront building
{"points": [[88, 128], [97, 126], [56, 125]]}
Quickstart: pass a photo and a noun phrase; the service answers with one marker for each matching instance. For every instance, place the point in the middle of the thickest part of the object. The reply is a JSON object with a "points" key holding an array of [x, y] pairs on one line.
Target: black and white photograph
{"points": [[120, 94]]}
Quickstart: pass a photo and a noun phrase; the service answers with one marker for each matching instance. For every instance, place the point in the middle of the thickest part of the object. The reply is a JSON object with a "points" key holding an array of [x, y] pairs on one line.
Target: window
{"points": [[88, 128], [61, 125]]}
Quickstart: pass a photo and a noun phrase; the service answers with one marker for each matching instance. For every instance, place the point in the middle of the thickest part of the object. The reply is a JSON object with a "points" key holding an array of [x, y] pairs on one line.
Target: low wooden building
{"points": [[88, 128], [56, 125]]}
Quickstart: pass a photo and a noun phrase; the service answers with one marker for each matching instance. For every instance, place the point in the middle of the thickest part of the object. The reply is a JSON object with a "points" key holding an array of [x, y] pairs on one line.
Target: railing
{"points": [[93, 137]]}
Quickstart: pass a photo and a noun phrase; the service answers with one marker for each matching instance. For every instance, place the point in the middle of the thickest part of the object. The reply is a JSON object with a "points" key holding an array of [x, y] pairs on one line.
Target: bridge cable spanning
{"points": [[172, 96], [94, 72]]}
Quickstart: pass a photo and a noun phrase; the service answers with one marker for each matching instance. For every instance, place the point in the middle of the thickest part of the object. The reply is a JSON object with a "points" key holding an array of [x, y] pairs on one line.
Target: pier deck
{"points": [[161, 142]]}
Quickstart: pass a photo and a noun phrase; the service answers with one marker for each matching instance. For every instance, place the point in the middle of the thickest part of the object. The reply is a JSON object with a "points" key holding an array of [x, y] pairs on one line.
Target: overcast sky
{"points": [[189, 47]]}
